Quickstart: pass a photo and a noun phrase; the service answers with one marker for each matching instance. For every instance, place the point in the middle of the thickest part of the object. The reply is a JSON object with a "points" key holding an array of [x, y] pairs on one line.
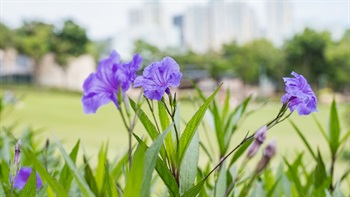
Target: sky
{"points": [[105, 18]]}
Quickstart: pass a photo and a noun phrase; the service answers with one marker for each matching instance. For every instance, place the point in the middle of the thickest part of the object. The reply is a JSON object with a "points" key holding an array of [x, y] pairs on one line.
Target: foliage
{"points": [[7, 37], [160, 157], [34, 39], [305, 53], [69, 41]]}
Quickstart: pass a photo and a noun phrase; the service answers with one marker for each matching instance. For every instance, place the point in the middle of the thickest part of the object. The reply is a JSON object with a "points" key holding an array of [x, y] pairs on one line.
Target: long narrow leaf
{"points": [[191, 128], [334, 128], [151, 156], [55, 185], [134, 176], [100, 171], [146, 122], [78, 177], [164, 173], [303, 139], [111, 186], [66, 177], [29, 188], [188, 168]]}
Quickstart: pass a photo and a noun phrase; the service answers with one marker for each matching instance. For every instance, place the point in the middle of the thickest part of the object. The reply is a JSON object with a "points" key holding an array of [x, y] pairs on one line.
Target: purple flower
{"points": [[22, 177], [111, 76], [259, 138], [158, 77], [299, 95]]}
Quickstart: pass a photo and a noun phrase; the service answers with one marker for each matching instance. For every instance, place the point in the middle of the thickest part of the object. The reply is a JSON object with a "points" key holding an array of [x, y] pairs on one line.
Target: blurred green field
{"points": [[60, 114]]}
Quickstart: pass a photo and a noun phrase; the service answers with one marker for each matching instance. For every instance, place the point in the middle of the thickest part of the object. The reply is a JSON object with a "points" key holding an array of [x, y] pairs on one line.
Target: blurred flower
{"points": [[299, 95], [17, 153], [22, 177], [158, 77], [259, 138], [111, 76], [269, 152]]}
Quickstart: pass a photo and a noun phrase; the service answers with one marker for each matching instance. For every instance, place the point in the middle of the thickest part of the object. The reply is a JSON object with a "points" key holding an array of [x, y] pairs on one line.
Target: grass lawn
{"points": [[60, 114]]}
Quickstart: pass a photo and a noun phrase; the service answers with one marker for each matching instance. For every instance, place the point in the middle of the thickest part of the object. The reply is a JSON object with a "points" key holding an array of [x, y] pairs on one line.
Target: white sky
{"points": [[105, 18]]}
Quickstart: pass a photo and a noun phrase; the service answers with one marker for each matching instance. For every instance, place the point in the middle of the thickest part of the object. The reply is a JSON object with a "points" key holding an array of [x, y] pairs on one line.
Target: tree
{"points": [[247, 61], [337, 56], [35, 40], [305, 53], [6, 37], [69, 41]]}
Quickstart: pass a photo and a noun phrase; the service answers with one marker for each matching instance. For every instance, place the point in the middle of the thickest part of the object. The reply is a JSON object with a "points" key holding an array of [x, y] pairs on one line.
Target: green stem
{"points": [[130, 135]]}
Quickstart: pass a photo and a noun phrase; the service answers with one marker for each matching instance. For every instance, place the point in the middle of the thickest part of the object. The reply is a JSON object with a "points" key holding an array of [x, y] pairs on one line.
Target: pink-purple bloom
{"points": [[259, 138], [22, 177], [110, 77], [158, 77], [299, 95]]}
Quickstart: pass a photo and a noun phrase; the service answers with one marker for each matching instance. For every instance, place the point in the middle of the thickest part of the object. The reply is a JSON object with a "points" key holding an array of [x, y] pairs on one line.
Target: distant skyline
{"points": [[105, 18]]}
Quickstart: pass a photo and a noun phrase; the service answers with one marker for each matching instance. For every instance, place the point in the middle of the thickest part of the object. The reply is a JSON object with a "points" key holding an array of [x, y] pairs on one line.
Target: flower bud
{"points": [[259, 138], [17, 153], [269, 152]]}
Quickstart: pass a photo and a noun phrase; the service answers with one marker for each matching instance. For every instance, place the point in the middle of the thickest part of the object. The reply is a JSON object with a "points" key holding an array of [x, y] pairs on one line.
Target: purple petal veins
{"points": [[299, 95], [111, 76], [158, 77]]}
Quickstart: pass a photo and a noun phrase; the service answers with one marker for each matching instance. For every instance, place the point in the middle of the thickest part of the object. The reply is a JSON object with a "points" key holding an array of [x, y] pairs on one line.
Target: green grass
{"points": [[60, 114]]}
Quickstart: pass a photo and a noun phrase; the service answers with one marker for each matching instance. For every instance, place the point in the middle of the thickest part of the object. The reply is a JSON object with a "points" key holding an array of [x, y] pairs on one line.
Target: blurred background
{"points": [[48, 48]]}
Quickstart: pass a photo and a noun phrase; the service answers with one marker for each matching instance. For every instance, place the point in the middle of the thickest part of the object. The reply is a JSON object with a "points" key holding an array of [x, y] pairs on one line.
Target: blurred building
{"points": [[147, 23], [279, 21], [208, 27]]}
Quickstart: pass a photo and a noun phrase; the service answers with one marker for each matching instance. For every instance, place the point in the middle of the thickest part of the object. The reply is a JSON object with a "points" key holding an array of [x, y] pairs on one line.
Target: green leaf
{"points": [[258, 190], [117, 170], [191, 128], [89, 177], [344, 137], [83, 186], [146, 122], [55, 185], [29, 188], [334, 129], [164, 173], [220, 185], [151, 156], [135, 175], [2, 191], [163, 116], [320, 174], [320, 128], [167, 177], [100, 171], [66, 176], [303, 139], [110, 185], [194, 190], [293, 174], [189, 165], [169, 144], [240, 151]]}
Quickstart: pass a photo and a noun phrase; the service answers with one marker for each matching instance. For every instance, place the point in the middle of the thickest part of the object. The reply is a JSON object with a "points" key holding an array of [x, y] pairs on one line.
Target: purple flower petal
{"points": [[158, 77], [22, 177], [299, 95], [111, 76]]}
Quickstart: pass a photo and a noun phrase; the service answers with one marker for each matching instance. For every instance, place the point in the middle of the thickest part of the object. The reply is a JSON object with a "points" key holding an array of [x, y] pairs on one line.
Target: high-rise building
{"points": [[196, 29], [279, 20], [147, 23], [210, 26]]}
